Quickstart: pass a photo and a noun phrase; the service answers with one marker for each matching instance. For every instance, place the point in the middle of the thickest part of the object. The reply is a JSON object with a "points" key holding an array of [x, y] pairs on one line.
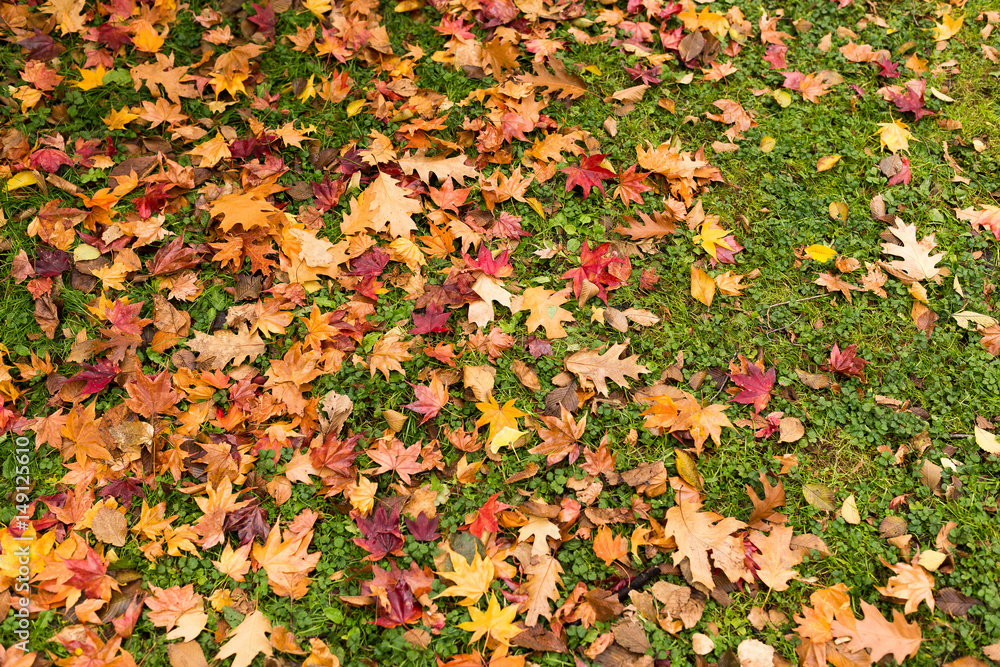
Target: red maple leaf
{"points": [[430, 399], [631, 185], [776, 56], [902, 176], [594, 267], [846, 362], [432, 320], [486, 516], [498, 267], [588, 174], [887, 68], [756, 386]]}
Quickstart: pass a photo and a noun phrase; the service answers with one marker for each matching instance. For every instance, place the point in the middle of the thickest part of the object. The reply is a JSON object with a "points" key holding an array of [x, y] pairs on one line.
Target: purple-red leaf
{"points": [[423, 528]]}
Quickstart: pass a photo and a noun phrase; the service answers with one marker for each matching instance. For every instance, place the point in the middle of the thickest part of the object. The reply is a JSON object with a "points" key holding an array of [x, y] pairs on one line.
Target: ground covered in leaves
{"points": [[499, 332]]}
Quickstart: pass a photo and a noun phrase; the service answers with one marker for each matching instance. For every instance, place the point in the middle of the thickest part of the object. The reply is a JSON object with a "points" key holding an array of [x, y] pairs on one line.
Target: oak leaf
{"points": [[225, 347], [559, 81], [776, 557], [875, 633], [544, 577], [590, 366], [916, 261], [911, 583], [697, 533]]}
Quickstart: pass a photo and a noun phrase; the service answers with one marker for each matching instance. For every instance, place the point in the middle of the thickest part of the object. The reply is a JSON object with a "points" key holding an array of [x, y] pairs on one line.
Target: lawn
{"points": [[499, 332]]}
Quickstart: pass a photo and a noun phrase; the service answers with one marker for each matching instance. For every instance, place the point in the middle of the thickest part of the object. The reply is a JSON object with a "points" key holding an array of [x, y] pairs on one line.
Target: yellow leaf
{"points": [[712, 236], [117, 120], [987, 441], [826, 163], [782, 97], [362, 495], [21, 180], [593, 69], [820, 253], [894, 136], [497, 622], [354, 108], [767, 144], [247, 640], [702, 286], [536, 206], [309, 90], [498, 417], [408, 6], [470, 581], [916, 64], [91, 78], [319, 8], [948, 27], [505, 437], [838, 210]]}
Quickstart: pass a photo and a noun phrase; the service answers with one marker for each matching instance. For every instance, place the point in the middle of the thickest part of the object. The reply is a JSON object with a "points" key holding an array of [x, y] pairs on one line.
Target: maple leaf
{"points": [[911, 583], [470, 580], [498, 417], [397, 458], [846, 361], [546, 311], [247, 640], [916, 261], [423, 528], [589, 366], [430, 399], [631, 185], [833, 283], [486, 516], [381, 533], [595, 267], [875, 633], [560, 439], [244, 209], [225, 347], [544, 576], [588, 174], [608, 546], [895, 136], [443, 167], [388, 352], [178, 609], [432, 320], [496, 622], [696, 534], [391, 205], [756, 387], [913, 100]]}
